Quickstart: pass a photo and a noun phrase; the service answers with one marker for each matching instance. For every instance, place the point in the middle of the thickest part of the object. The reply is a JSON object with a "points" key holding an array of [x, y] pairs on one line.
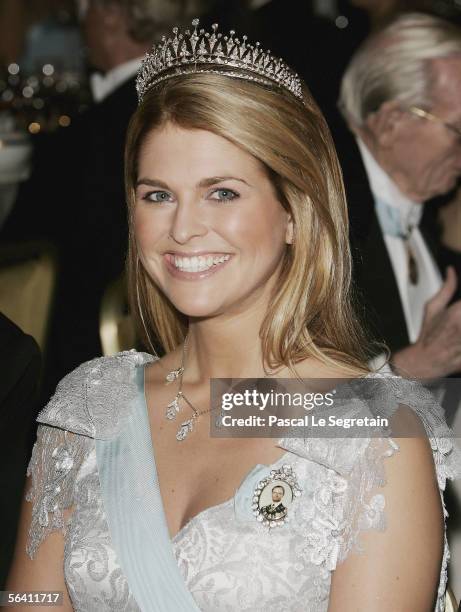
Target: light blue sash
{"points": [[135, 516]]}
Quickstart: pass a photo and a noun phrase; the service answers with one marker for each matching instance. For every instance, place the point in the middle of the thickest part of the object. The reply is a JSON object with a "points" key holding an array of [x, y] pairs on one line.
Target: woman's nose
{"points": [[187, 222]]}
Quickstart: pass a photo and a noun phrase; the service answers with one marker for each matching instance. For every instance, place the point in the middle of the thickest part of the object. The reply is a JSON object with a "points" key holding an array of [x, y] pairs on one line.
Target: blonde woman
{"points": [[239, 266]]}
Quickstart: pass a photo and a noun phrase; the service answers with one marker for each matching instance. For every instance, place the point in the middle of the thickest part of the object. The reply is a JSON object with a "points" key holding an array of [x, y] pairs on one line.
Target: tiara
{"points": [[200, 51]]}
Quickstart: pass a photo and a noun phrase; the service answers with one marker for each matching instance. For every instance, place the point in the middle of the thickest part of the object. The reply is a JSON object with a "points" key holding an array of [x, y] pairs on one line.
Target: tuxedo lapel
{"points": [[377, 294], [377, 291]]}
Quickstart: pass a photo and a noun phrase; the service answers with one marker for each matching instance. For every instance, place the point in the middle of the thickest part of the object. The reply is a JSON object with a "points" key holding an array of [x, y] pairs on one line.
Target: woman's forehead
{"points": [[172, 150]]}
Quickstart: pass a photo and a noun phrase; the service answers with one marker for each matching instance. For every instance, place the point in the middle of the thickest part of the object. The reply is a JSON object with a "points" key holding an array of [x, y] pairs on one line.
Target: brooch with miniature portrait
{"points": [[274, 495]]}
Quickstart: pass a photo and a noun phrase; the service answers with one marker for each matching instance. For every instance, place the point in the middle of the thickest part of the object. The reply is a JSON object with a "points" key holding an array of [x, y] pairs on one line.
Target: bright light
{"points": [[48, 69], [64, 121], [34, 127], [341, 22]]}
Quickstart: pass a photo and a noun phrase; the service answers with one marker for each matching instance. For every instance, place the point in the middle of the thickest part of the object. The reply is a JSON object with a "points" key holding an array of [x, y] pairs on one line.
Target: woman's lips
{"points": [[197, 266]]}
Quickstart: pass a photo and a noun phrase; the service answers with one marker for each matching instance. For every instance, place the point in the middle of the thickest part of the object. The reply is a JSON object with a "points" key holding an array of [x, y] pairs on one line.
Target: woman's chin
{"points": [[199, 310]]}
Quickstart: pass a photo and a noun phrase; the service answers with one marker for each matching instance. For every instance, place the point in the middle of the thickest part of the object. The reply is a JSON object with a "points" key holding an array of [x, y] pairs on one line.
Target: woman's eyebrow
{"points": [[206, 182], [151, 182]]}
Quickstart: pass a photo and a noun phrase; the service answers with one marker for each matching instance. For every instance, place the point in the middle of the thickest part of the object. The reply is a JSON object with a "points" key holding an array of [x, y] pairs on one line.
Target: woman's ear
{"points": [[289, 235]]}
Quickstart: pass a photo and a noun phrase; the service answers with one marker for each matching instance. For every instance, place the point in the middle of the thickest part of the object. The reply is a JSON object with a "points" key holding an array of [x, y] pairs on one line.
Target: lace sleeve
{"points": [[56, 458], [364, 510], [361, 509]]}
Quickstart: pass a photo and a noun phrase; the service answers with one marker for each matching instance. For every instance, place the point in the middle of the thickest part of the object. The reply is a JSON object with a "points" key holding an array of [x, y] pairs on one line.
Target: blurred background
{"points": [[67, 71]]}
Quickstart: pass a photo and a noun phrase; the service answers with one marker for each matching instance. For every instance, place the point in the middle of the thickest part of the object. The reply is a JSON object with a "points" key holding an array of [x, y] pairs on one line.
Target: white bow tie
{"points": [[392, 221]]}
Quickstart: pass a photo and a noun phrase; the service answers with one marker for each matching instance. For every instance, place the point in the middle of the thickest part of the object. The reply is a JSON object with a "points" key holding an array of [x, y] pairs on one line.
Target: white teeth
{"points": [[199, 263]]}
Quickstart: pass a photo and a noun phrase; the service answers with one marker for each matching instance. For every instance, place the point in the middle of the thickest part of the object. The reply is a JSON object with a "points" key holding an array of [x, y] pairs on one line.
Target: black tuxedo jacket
{"points": [[76, 200], [377, 296], [20, 372]]}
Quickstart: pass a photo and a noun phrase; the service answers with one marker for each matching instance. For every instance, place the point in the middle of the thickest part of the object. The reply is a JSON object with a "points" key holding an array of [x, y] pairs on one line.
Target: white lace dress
{"points": [[227, 560]]}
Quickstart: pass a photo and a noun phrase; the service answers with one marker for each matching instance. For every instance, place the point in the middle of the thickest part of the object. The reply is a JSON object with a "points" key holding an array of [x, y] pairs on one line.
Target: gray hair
{"points": [[148, 18], [394, 64]]}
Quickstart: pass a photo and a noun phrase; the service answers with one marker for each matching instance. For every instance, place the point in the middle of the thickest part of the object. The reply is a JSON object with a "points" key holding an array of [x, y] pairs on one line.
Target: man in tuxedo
{"points": [[400, 98], [20, 368]]}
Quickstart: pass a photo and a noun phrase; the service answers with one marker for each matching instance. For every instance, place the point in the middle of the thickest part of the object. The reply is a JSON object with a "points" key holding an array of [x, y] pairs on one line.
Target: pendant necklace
{"points": [[188, 426], [174, 406]]}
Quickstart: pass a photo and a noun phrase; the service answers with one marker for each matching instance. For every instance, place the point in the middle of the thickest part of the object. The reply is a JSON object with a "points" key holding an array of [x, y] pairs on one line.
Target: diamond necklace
{"points": [[187, 426], [174, 406]]}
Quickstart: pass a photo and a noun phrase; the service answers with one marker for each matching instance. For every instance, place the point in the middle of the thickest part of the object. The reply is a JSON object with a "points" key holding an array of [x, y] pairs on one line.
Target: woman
{"points": [[239, 265]]}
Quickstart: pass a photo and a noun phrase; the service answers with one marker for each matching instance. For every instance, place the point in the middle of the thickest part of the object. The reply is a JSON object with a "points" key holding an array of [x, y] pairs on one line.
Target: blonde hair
{"points": [[394, 64], [310, 314]]}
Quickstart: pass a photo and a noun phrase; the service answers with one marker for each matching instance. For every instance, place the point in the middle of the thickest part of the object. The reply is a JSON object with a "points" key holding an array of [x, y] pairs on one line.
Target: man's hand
{"points": [[437, 352]]}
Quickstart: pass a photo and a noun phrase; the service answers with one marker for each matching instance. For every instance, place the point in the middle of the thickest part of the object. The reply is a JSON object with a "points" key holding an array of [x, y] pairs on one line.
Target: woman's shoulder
{"points": [[93, 399], [358, 476], [371, 419]]}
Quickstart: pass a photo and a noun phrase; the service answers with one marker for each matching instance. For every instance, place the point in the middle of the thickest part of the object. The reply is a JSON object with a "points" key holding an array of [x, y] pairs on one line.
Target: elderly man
{"points": [[400, 96]]}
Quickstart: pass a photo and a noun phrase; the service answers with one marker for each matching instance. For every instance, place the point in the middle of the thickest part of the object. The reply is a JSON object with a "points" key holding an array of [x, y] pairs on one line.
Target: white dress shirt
{"points": [[102, 85], [413, 296]]}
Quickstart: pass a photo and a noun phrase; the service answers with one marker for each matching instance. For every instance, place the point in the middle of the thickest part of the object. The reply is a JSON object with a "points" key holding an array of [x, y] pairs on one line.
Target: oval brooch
{"points": [[274, 495]]}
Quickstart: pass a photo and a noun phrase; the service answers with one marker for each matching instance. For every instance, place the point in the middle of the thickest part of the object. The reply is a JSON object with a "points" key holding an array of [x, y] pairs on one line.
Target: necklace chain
{"points": [[174, 407]]}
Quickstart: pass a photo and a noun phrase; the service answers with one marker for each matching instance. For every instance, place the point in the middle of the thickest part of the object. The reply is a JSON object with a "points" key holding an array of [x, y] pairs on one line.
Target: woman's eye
{"points": [[157, 196], [224, 194]]}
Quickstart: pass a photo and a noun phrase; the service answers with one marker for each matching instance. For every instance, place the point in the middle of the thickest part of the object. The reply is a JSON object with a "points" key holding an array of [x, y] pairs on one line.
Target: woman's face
{"points": [[209, 228]]}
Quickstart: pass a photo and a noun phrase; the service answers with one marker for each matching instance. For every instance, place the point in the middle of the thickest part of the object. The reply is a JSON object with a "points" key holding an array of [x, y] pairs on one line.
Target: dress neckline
{"points": [[200, 515]]}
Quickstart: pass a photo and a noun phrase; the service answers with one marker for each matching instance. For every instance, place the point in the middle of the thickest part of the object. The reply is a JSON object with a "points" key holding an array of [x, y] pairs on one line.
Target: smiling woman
{"points": [[226, 234], [287, 205], [239, 266]]}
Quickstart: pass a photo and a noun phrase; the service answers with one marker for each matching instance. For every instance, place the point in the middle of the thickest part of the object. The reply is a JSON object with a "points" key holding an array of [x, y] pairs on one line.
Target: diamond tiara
{"points": [[200, 51]]}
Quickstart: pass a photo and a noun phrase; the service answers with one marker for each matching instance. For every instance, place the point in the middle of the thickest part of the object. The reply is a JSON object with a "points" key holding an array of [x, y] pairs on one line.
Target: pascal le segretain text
{"points": [[308, 420]]}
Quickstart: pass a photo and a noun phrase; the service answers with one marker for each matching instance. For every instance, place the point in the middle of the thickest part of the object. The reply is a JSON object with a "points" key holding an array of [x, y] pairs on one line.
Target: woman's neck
{"points": [[223, 350]]}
